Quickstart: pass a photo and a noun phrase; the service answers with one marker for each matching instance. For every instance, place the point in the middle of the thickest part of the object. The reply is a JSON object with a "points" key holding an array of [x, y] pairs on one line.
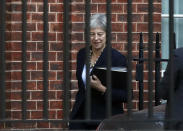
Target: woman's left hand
{"points": [[96, 84]]}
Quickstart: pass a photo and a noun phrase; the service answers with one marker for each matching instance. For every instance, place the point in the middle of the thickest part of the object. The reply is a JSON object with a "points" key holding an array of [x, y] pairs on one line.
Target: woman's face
{"points": [[98, 38]]}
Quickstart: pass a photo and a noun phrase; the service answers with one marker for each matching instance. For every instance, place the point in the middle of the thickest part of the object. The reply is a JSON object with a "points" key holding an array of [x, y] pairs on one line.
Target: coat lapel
{"points": [[101, 60]]}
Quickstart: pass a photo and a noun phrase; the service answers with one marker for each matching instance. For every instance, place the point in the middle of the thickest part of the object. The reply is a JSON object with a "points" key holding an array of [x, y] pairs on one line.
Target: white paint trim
{"points": [[175, 15]]}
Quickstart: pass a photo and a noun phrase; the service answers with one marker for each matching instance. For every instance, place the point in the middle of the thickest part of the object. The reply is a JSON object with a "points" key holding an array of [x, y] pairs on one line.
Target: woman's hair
{"points": [[98, 21]]}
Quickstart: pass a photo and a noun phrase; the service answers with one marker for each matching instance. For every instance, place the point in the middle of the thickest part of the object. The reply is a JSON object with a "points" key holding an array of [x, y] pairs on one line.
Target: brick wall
{"points": [[35, 52]]}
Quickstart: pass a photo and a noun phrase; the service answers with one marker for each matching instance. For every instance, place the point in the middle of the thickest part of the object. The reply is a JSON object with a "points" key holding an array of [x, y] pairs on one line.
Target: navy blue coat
{"points": [[98, 99], [177, 107]]}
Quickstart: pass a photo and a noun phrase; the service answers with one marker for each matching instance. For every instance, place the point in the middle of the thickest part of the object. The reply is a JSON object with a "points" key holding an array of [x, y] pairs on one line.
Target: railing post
{"points": [[174, 40], [139, 73], [2, 59], [87, 41], [157, 70], [129, 56], [45, 61], [108, 47], [24, 63], [67, 75], [150, 59]]}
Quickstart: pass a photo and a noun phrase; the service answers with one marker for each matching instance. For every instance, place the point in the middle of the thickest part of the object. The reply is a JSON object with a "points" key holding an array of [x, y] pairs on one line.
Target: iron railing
{"points": [[67, 43]]}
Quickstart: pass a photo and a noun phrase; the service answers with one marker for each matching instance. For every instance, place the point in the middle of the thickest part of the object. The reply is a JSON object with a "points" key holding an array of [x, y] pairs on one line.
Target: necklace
{"points": [[92, 64]]}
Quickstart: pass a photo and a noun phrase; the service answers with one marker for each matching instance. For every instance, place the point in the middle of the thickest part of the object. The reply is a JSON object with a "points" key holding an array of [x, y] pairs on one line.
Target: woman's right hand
{"points": [[96, 84]]}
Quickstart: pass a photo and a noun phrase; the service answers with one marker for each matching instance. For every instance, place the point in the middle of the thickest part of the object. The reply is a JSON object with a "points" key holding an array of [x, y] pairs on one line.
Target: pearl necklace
{"points": [[93, 64]]}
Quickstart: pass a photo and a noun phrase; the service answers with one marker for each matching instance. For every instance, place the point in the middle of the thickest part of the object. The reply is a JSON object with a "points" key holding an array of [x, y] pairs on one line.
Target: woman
{"points": [[98, 57]]}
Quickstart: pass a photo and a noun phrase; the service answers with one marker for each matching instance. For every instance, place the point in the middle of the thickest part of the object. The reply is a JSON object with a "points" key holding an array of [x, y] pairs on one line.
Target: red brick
{"points": [[52, 75], [13, 7], [37, 115], [77, 17], [37, 17], [77, 8], [142, 27], [73, 65], [52, 36], [52, 56], [14, 105], [40, 7], [98, 1], [51, 17], [94, 8], [60, 17], [121, 37], [55, 85], [40, 105], [58, 125], [56, 27], [16, 115], [13, 46], [37, 95], [13, 75], [56, 65], [134, 8], [122, 1], [52, 95], [13, 86], [117, 8], [76, 37], [39, 65], [156, 18], [55, 104], [52, 114], [60, 37], [142, 8], [31, 46], [117, 27], [55, 47], [60, 114], [13, 66], [37, 56], [43, 124], [77, 46], [56, 7], [20, 125], [36, 75], [31, 85], [16, 36], [39, 46], [59, 94], [78, 27], [102, 8], [31, 8], [14, 27], [134, 27], [59, 75], [31, 66]]}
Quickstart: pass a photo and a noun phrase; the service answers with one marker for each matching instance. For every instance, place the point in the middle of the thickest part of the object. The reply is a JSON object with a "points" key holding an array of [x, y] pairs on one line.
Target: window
{"points": [[178, 27]]}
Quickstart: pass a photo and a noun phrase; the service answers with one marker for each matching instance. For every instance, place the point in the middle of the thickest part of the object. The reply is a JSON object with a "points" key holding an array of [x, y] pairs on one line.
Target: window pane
{"points": [[177, 7], [178, 28]]}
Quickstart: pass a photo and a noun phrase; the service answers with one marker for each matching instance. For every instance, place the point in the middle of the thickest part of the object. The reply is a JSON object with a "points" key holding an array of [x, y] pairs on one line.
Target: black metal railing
{"points": [[67, 76], [2, 59], [24, 61]]}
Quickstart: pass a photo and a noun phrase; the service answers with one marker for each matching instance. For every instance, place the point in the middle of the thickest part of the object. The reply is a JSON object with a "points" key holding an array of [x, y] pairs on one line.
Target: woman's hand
{"points": [[96, 84]]}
